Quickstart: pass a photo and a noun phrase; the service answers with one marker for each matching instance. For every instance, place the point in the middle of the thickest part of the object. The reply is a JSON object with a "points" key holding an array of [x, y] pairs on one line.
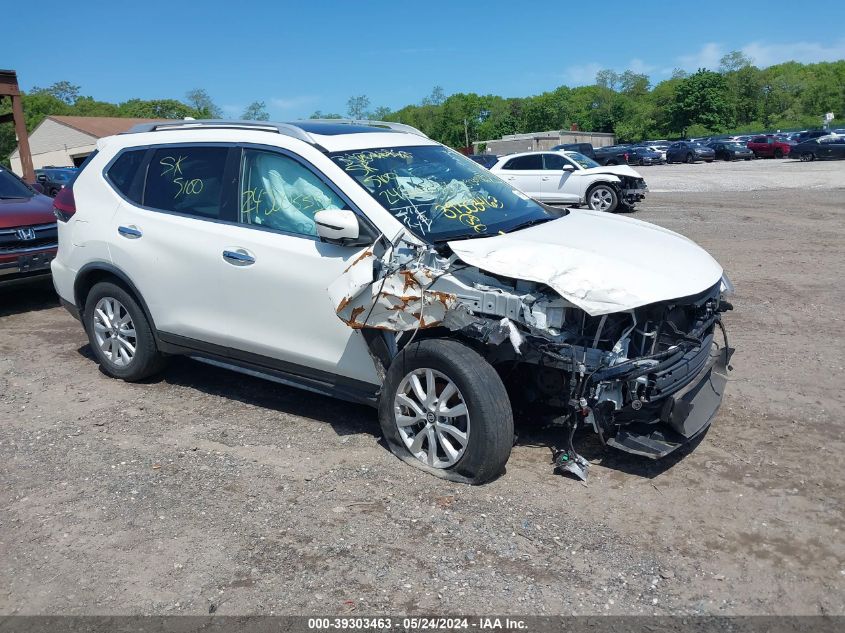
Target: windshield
{"points": [[439, 194], [585, 161], [12, 187]]}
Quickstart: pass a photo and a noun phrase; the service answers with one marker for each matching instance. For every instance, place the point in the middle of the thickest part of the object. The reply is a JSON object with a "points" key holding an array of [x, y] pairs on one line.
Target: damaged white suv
{"points": [[365, 261]]}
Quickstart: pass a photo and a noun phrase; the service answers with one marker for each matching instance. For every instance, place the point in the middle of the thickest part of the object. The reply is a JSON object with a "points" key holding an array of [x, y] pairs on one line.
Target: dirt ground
{"points": [[206, 489]]}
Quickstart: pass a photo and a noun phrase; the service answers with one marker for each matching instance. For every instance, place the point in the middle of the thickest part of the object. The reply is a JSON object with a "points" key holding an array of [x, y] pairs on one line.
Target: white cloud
{"points": [[707, 57], [639, 66], [292, 103], [581, 75], [585, 74], [765, 54]]}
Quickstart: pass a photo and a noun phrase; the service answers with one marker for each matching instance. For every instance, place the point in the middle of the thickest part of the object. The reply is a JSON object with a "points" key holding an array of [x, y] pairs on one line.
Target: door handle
{"points": [[238, 257], [544, 178], [131, 231]]}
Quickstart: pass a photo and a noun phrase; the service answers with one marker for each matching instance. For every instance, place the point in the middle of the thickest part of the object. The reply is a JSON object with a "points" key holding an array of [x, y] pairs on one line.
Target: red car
{"points": [[28, 235], [769, 147]]}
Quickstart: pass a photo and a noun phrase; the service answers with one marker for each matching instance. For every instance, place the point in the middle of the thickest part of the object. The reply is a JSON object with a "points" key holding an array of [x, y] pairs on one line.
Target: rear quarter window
{"points": [[123, 173]]}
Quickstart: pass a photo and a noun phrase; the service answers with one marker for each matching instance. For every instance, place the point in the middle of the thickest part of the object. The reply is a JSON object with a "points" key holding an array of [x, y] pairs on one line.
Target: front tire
{"points": [[119, 333], [602, 198], [778, 153], [444, 409], [808, 157]]}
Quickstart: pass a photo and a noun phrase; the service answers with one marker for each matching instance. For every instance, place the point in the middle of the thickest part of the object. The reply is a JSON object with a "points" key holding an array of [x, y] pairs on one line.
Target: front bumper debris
{"points": [[680, 417]]}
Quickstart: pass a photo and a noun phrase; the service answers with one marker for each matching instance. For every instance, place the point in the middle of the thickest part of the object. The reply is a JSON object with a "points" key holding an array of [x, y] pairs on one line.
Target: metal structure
{"points": [[9, 88]]}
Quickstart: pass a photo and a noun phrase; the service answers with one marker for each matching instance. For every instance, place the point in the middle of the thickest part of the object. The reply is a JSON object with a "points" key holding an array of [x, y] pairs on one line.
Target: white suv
{"points": [[365, 261]]}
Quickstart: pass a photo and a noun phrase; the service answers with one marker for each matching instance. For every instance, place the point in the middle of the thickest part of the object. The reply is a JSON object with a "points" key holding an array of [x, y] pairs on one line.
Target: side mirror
{"points": [[38, 187], [340, 226], [41, 178], [568, 168]]}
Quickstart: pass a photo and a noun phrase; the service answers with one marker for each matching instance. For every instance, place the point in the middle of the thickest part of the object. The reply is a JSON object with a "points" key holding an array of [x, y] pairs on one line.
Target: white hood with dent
{"points": [[599, 262]]}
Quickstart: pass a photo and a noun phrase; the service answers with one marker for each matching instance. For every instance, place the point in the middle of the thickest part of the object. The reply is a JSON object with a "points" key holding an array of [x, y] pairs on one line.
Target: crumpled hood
{"points": [[599, 262], [616, 170]]}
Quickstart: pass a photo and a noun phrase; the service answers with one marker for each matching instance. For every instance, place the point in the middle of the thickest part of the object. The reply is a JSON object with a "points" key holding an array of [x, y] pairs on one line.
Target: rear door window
{"points": [[187, 180], [529, 162]]}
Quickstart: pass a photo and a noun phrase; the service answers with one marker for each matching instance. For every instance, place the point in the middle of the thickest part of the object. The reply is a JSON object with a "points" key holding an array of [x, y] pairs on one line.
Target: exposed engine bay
{"points": [[631, 190], [634, 376]]}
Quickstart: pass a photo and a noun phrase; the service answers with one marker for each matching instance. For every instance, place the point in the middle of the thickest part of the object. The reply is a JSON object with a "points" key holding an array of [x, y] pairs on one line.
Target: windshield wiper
{"points": [[533, 222]]}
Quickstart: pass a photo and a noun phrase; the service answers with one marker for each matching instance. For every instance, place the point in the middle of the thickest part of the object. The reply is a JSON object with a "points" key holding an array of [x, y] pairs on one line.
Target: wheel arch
{"points": [[610, 181], [94, 272]]}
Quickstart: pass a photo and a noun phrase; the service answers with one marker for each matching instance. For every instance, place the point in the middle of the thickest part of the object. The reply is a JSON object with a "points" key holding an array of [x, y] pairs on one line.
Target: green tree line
{"points": [[736, 97]]}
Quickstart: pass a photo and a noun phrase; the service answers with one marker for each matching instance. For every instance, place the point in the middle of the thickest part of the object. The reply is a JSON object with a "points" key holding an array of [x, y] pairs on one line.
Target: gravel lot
{"points": [[210, 490], [756, 175]]}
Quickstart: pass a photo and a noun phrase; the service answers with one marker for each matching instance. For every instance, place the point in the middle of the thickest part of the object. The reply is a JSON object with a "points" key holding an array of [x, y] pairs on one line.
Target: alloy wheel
{"points": [[432, 417], [114, 331], [601, 199]]}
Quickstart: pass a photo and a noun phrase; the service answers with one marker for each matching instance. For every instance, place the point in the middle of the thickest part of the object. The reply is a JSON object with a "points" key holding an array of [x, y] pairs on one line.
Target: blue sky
{"points": [[304, 56]]}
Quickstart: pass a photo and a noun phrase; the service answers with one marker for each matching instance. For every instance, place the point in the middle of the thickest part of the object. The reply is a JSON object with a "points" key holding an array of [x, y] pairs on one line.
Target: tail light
{"points": [[64, 206]]}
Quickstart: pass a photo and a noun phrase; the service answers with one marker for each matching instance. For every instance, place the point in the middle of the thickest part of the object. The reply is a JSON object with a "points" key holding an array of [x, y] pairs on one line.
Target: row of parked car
{"points": [[807, 146]]}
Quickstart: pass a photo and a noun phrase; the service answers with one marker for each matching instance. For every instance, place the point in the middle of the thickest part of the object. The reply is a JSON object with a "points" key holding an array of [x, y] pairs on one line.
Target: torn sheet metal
{"points": [[399, 301], [507, 330], [599, 262], [357, 276]]}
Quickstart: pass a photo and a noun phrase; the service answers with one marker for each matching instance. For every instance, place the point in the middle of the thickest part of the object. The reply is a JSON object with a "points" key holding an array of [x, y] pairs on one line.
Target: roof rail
{"points": [[397, 127], [288, 129], [189, 124]]}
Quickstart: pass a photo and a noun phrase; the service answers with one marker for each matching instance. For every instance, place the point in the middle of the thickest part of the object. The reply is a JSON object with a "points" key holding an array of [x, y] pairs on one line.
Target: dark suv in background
{"points": [[28, 236], [54, 179], [689, 152]]}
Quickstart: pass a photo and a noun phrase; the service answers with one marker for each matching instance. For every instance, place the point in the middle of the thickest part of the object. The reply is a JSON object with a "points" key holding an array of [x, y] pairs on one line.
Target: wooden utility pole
{"points": [[9, 88]]}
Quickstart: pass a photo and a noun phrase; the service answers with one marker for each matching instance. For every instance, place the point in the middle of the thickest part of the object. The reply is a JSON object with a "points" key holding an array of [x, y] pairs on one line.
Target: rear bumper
{"points": [[675, 420]]}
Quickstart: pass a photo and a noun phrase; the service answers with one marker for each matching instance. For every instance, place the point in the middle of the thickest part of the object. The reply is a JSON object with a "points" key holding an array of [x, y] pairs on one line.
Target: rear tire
{"points": [[119, 333], [808, 157], [690, 158], [778, 153], [602, 197], [470, 446]]}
